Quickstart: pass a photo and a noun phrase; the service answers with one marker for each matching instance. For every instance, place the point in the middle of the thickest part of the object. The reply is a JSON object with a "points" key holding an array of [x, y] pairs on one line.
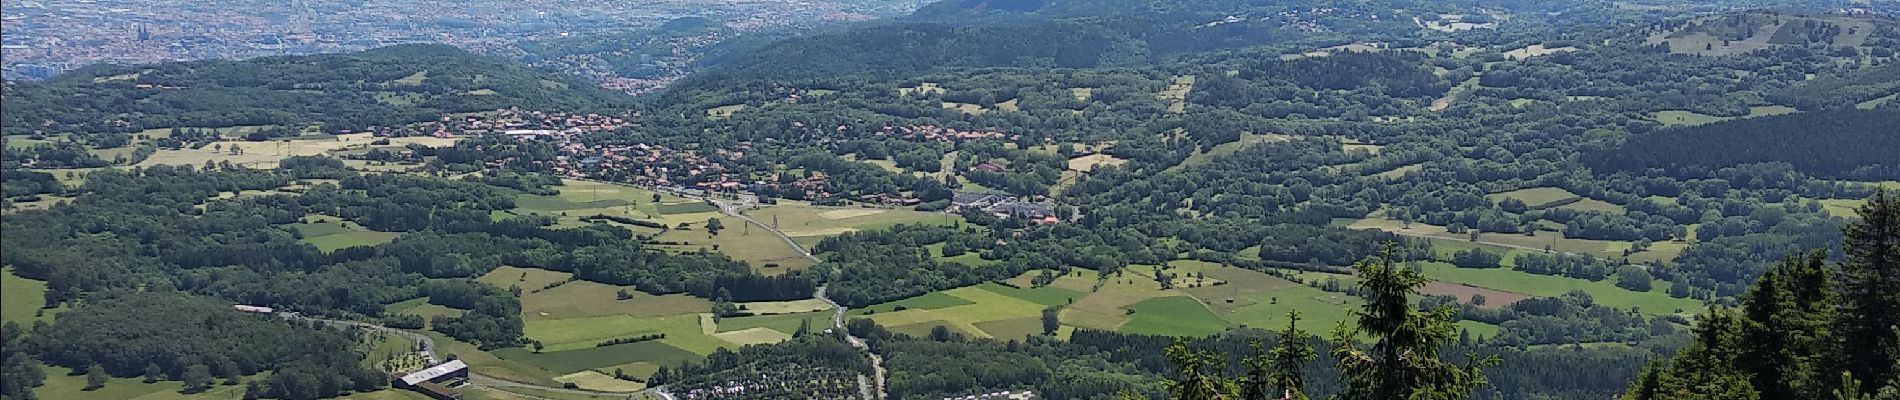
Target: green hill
{"points": [[378, 87]]}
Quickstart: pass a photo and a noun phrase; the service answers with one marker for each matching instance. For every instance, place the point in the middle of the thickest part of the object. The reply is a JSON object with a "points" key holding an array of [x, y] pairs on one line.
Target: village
{"points": [[700, 171]]}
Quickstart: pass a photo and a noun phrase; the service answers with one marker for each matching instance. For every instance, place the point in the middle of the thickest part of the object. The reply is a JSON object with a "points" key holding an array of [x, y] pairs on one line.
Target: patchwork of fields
{"points": [[571, 318]]}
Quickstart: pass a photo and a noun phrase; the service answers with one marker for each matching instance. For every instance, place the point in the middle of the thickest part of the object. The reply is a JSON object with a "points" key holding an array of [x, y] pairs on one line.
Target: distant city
{"points": [[41, 38]]}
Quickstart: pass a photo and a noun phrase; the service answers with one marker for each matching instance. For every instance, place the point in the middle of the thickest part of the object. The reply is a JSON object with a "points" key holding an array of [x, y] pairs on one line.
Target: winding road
{"points": [[837, 316], [874, 389]]}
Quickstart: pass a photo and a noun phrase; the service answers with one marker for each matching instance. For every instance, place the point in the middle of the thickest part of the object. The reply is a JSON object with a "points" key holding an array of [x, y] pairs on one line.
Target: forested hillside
{"points": [[1848, 144], [342, 92], [1064, 199]]}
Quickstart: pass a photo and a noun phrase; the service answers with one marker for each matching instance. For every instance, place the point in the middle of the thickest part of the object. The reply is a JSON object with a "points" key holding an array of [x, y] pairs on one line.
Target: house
{"points": [[435, 381], [988, 167]]}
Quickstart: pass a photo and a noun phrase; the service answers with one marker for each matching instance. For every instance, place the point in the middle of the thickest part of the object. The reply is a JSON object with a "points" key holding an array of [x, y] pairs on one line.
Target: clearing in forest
{"points": [[1176, 93], [723, 112], [1689, 118], [1536, 197], [331, 233], [1453, 95], [925, 88], [1089, 162], [1082, 94], [21, 298], [1536, 50]]}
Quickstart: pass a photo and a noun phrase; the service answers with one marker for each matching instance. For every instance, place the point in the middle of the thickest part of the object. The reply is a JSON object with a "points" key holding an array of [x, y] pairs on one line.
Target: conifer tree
{"points": [[1403, 363], [1199, 377], [1705, 369], [1871, 284], [1288, 357]]}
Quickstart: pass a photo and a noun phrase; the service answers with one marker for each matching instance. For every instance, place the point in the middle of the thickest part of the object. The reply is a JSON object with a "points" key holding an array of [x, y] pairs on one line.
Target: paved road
{"points": [[837, 316], [735, 208]]}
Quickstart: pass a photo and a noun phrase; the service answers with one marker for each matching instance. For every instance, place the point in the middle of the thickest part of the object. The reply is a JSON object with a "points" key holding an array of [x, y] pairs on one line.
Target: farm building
{"points": [[435, 381]]}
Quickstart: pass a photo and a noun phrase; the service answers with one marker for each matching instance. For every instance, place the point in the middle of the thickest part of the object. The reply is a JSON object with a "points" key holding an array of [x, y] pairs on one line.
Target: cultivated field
{"points": [[1259, 300], [818, 221], [266, 154], [765, 252], [985, 310]]}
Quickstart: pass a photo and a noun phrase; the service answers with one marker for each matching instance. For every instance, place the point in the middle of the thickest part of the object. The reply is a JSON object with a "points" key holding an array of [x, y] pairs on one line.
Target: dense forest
{"points": [[1848, 144]]}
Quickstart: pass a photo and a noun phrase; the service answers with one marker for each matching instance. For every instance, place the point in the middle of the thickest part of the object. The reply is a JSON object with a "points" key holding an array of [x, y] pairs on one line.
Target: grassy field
{"points": [[398, 350], [1082, 93], [764, 251], [267, 154], [1089, 162], [20, 298], [784, 307], [682, 331], [1594, 205], [1173, 316], [1176, 93], [928, 301], [1551, 240], [1654, 302], [586, 198], [782, 323], [808, 224], [923, 88], [1047, 295], [1535, 197], [580, 299], [1259, 300], [1204, 156], [1399, 172], [1876, 103], [969, 258], [564, 362], [966, 108], [337, 233], [985, 306], [422, 308], [60, 386], [1479, 329], [593, 380], [1686, 118], [1452, 96], [723, 112], [1536, 50]]}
